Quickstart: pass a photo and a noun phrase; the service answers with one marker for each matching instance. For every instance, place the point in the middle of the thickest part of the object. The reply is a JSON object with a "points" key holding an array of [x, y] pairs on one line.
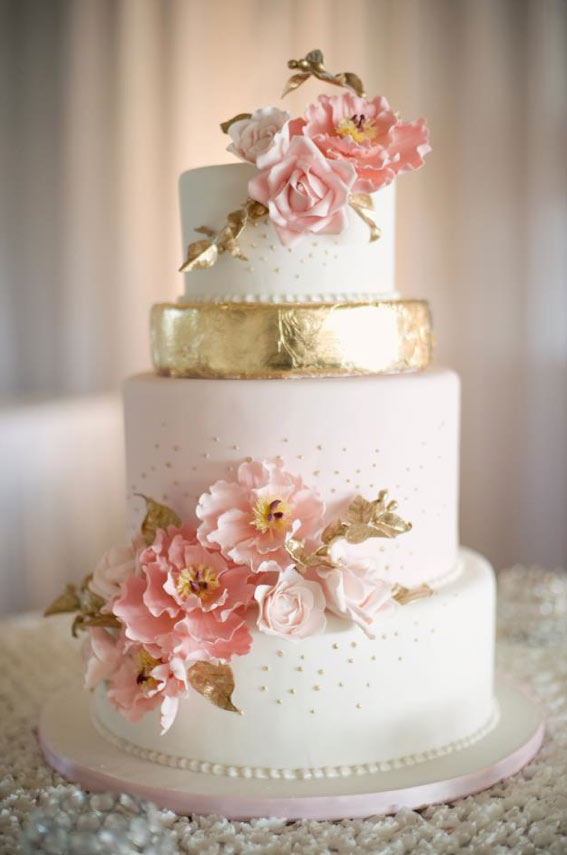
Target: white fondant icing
{"points": [[321, 267], [421, 688], [344, 436]]}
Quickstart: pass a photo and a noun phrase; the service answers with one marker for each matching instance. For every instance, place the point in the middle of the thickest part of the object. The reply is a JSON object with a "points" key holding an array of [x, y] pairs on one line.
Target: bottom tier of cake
{"points": [[340, 703]]}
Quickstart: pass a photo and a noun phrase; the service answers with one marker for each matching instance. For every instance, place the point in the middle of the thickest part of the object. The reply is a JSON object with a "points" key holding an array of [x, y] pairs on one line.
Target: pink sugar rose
{"points": [[303, 190], [112, 571], [101, 652], [368, 135], [249, 519], [184, 590], [354, 591], [141, 682], [293, 608], [252, 137]]}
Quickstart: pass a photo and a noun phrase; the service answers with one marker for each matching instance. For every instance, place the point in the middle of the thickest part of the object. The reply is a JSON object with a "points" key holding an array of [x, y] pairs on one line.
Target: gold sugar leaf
{"points": [[360, 532], [215, 683], [205, 230], [157, 516], [68, 601], [360, 511], [403, 595], [201, 255], [360, 204], [333, 531], [239, 116], [295, 82], [353, 81]]}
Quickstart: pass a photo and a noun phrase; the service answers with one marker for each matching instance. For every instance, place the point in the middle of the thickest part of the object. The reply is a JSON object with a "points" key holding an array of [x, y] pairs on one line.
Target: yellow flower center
{"points": [[198, 579], [271, 515], [146, 664], [358, 127]]}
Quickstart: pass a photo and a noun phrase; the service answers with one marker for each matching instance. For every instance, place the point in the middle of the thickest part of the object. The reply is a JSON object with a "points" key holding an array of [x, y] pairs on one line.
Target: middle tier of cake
{"points": [[343, 436]]}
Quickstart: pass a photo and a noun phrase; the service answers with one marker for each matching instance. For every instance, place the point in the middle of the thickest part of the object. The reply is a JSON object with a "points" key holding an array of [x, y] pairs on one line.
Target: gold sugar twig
{"points": [[203, 254], [312, 65]]}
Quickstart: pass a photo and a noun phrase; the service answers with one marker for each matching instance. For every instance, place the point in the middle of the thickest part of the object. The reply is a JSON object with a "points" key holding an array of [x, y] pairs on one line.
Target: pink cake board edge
{"points": [[324, 807]]}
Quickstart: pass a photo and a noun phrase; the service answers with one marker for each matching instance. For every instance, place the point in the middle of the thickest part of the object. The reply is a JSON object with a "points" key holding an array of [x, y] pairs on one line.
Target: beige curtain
{"points": [[105, 102]]}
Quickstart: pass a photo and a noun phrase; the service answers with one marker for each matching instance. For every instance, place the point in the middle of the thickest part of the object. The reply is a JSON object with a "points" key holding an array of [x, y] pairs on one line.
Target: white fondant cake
{"points": [[343, 435], [339, 703], [326, 268]]}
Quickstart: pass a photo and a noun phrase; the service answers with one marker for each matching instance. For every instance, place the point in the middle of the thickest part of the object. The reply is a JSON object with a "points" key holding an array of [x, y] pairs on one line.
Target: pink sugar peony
{"points": [[112, 571], [254, 136], [355, 591], [184, 590], [303, 190], [141, 682], [249, 519], [293, 608], [368, 135]]}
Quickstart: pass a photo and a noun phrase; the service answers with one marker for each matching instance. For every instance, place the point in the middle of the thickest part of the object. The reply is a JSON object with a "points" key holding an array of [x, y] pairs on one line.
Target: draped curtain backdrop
{"points": [[104, 102]]}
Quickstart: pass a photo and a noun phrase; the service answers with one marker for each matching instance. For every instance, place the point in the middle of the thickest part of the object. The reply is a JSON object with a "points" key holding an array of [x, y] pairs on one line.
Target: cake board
{"points": [[74, 748]]}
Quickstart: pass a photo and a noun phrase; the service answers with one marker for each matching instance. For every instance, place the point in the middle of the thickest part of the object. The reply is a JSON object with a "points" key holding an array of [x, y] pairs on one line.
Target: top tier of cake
{"points": [[322, 268]]}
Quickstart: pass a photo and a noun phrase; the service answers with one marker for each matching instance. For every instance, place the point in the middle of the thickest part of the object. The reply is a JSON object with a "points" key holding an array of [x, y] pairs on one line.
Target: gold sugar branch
{"points": [[202, 254], [312, 65]]}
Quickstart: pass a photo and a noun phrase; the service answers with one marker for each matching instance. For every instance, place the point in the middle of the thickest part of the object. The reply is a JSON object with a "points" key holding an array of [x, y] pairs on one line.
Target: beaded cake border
{"points": [[266, 772]]}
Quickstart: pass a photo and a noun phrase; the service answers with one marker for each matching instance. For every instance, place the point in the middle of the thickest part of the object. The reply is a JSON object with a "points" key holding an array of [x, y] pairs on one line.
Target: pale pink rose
{"points": [[293, 608], [102, 652], [142, 682], [112, 571], [183, 590], [303, 190], [355, 591], [252, 137], [249, 519], [367, 134]]}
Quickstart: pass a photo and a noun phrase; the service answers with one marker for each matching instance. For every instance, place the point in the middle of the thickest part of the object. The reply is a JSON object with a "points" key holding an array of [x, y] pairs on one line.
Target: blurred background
{"points": [[104, 102]]}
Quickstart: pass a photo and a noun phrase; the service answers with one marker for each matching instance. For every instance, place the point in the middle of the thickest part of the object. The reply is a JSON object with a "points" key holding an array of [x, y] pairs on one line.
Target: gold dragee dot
{"points": [[186, 494], [300, 456], [279, 653], [320, 671], [337, 472], [206, 455], [264, 235], [273, 247], [373, 658], [216, 439], [335, 646], [168, 464], [285, 439], [153, 468], [333, 490], [302, 656], [357, 471], [278, 701], [263, 688], [194, 468], [353, 644], [367, 685], [296, 276], [350, 661], [165, 497], [343, 449], [289, 249], [291, 691], [265, 667], [156, 445], [276, 269], [235, 448], [359, 706], [253, 245], [312, 712], [341, 685], [316, 472], [399, 658], [357, 486], [176, 483], [143, 475], [301, 261], [175, 448], [309, 255], [299, 668], [316, 688]]}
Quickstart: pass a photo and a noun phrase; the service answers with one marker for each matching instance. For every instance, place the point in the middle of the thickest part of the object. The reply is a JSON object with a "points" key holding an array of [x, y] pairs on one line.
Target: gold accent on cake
{"points": [[264, 340], [312, 66], [215, 683], [202, 254]]}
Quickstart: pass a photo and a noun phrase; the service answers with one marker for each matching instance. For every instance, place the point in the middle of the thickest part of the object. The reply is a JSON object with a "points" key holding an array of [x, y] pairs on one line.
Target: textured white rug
{"points": [[524, 815]]}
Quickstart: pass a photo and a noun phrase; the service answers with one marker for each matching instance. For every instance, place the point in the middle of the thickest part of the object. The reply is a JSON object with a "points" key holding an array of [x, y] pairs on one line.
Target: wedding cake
{"points": [[275, 614]]}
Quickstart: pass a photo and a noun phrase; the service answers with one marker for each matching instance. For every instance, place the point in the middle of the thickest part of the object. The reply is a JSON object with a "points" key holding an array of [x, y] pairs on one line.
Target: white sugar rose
{"points": [[252, 137], [293, 608], [111, 572]]}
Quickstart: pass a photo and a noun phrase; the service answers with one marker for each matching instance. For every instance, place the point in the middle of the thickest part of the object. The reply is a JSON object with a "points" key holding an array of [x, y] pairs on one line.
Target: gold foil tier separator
{"points": [[257, 340]]}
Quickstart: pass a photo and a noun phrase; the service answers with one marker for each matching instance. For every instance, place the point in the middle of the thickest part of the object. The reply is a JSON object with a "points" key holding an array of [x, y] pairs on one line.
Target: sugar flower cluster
{"points": [[192, 594], [309, 167]]}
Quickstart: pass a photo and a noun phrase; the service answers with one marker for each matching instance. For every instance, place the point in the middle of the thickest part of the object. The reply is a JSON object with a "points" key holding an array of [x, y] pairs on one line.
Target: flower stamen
{"points": [[198, 579], [271, 515], [358, 126], [146, 664]]}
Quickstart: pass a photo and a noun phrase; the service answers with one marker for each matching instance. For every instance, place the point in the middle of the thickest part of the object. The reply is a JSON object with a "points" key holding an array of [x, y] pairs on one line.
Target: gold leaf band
{"points": [[263, 340]]}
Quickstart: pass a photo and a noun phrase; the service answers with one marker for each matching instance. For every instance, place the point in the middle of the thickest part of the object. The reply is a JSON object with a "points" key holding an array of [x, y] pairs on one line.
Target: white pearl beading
{"points": [[266, 772]]}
